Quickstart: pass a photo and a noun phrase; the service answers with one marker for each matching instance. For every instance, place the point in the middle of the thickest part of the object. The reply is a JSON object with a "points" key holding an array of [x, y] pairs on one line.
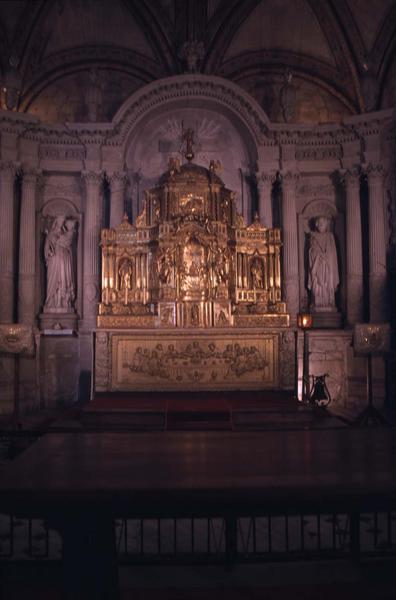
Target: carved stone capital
{"points": [[351, 178], [118, 180], [92, 178], [265, 179], [375, 174], [8, 169], [289, 179], [31, 176]]}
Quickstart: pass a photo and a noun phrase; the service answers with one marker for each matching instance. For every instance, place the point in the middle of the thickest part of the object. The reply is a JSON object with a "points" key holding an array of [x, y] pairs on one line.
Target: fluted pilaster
{"points": [[27, 248], [92, 225], [377, 243], [7, 229], [354, 260], [290, 243], [118, 183], [265, 182]]}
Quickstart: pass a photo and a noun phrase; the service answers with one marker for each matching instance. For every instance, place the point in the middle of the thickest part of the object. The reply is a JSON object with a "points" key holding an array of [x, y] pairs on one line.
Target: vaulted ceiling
{"points": [[334, 49]]}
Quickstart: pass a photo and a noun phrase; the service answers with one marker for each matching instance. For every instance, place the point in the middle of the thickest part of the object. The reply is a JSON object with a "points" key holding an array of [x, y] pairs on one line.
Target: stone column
{"points": [[7, 241], [27, 248], [265, 182], [290, 244], [92, 225], [354, 261], [118, 182], [377, 243]]}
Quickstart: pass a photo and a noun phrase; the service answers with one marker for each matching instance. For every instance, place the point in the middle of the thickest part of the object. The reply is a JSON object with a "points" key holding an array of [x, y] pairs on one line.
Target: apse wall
{"points": [[90, 173]]}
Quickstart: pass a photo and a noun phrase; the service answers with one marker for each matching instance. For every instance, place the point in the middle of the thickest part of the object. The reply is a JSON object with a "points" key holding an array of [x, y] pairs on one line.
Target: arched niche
{"points": [[52, 208], [306, 224], [228, 123]]}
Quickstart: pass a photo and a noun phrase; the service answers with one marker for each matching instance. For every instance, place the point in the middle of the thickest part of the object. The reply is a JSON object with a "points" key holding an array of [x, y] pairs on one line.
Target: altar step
{"points": [[256, 410]]}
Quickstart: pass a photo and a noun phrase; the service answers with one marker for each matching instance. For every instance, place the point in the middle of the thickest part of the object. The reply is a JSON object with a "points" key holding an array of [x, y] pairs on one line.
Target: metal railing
{"points": [[204, 540]]}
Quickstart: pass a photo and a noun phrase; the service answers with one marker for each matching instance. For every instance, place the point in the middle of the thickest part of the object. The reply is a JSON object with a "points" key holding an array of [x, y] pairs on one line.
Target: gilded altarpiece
{"points": [[191, 295]]}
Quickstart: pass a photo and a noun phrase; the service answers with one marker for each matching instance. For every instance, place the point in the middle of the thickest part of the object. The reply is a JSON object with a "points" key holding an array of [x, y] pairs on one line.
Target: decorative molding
{"points": [[61, 153], [59, 206], [332, 153], [190, 87], [315, 190], [319, 208]]}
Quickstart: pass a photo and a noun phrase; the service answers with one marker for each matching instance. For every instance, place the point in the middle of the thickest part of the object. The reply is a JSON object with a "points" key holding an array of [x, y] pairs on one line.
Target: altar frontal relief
{"points": [[194, 362]]}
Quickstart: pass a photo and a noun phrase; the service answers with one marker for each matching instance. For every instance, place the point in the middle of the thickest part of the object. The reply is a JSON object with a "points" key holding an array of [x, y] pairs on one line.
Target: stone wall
{"points": [[91, 171]]}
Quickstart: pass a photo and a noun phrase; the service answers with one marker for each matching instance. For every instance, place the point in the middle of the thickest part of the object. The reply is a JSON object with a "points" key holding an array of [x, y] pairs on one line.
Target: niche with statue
{"points": [[321, 237]]}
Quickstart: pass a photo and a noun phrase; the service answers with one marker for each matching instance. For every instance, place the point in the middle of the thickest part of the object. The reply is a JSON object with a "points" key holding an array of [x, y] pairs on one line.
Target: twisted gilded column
{"points": [[118, 182], [92, 226], [377, 243], [7, 241], [265, 182], [27, 248], [354, 259], [290, 243]]}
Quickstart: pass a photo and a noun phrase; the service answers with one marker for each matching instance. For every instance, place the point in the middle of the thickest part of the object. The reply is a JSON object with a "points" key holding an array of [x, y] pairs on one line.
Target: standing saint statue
{"points": [[256, 271], [323, 278], [58, 252]]}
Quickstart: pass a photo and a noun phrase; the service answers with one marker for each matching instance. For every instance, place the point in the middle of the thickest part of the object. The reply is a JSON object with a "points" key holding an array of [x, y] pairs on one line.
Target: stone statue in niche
{"points": [[58, 252], [323, 278], [125, 273], [256, 272]]}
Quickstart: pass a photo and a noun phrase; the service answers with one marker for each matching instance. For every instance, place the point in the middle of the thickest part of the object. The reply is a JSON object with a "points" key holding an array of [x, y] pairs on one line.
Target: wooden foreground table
{"points": [[80, 482]]}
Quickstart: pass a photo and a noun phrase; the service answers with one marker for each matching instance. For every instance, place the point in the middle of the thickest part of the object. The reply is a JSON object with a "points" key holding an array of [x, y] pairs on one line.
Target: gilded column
{"points": [[377, 243], [7, 241], [27, 248], [118, 182], [354, 259], [290, 243], [265, 182], [92, 225]]}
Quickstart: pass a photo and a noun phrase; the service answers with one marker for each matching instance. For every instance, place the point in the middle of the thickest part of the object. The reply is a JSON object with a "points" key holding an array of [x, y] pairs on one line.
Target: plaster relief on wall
{"points": [[215, 138], [310, 103], [68, 99]]}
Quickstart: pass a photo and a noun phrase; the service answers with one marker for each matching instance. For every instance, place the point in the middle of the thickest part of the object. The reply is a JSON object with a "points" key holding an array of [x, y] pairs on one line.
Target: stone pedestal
{"points": [[326, 319], [59, 370], [58, 320]]}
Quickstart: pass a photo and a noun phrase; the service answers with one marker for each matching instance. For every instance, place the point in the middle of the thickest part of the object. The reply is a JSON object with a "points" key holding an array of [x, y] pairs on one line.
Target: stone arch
{"points": [[210, 103], [187, 89]]}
